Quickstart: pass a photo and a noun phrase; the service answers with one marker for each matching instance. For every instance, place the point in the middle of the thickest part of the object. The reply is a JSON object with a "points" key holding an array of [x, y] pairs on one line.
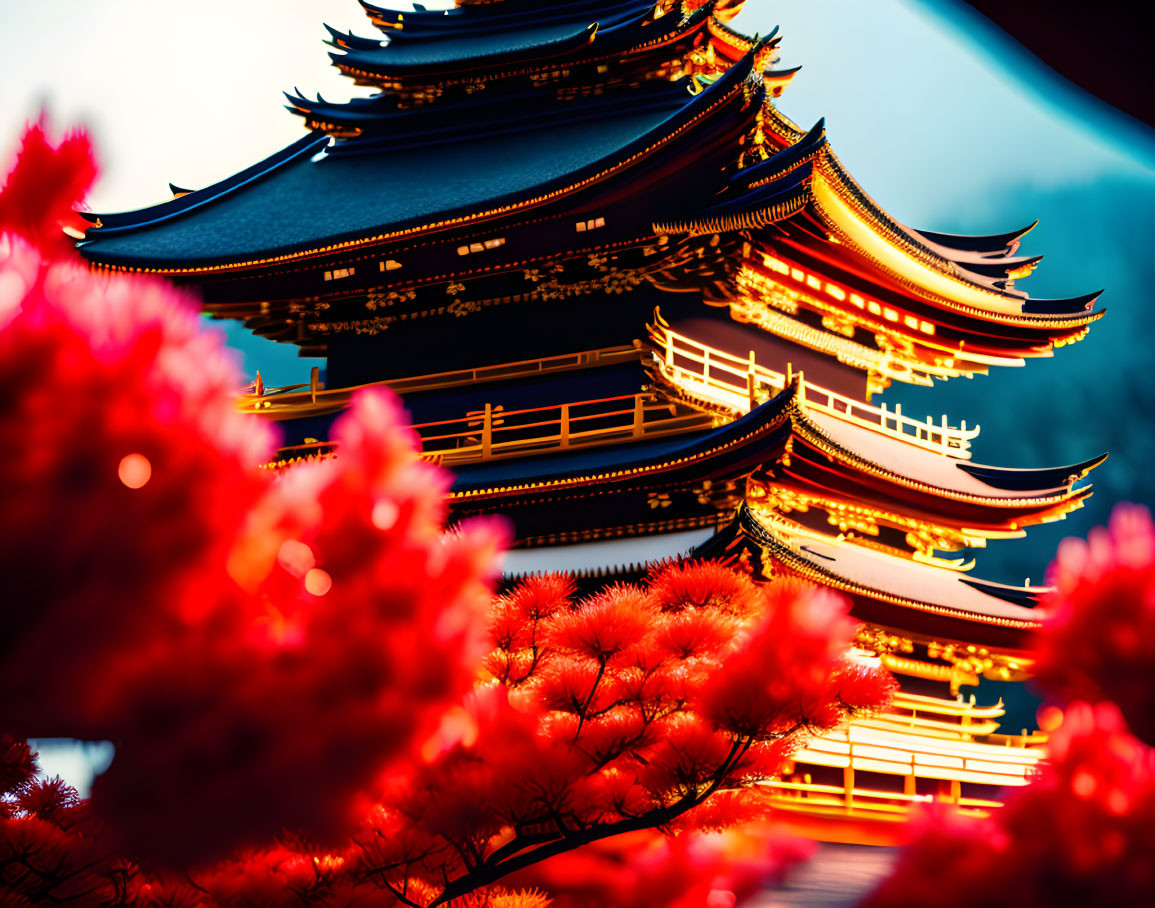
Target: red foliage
{"points": [[96, 370], [804, 635], [645, 869], [17, 768], [625, 711], [44, 186], [1098, 642], [184, 611], [1083, 833]]}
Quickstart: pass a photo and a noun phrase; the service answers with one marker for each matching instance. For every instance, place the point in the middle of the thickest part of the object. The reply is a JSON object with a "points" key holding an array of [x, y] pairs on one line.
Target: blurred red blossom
{"points": [[645, 869], [1098, 640], [1083, 833], [237, 637], [44, 185]]}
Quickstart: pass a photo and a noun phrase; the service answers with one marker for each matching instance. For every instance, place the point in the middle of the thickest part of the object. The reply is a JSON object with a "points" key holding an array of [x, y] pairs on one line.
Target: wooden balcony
{"points": [[494, 433], [946, 742], [737, 384], [295, 401]]}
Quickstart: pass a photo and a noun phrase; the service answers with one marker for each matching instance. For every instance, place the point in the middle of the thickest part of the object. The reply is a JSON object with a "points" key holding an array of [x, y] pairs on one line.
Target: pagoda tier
{"points": [[318, 241], [672, 483], [900, 595], [630, 457], [858, 783], [822, 264], [427, 56], [872, 471]]}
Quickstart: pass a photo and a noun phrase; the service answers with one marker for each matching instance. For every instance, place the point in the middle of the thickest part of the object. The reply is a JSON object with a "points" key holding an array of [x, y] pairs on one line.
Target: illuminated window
{"points": [[858, 300], [337, 273], [481, 247], [837, 292], [388, 265], [593, 224]]}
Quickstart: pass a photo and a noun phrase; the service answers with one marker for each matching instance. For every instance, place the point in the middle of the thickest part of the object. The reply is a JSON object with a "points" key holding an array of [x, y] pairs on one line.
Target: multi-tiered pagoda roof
{"points": [[638, 311]]}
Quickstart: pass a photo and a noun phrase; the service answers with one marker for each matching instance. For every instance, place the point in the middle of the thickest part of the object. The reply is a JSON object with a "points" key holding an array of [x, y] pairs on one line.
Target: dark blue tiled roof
{"points": [[1029, 480], [405, 53], [304, 202], [483, 42], [300, 201]]}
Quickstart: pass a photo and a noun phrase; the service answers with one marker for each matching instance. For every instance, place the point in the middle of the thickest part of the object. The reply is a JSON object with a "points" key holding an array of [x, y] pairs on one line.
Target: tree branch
{"points": [[522, 853]]}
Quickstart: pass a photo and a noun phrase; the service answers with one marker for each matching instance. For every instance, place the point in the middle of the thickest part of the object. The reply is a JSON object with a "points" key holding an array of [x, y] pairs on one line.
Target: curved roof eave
{"points": [[723, 91], [897, 581]]}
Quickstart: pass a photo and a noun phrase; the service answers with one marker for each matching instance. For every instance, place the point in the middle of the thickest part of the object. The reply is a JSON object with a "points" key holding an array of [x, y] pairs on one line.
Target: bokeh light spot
{"points": [[318, 582], [1049, 718], [134, 470], [296, 557], [384, 514], [1084, 785]]}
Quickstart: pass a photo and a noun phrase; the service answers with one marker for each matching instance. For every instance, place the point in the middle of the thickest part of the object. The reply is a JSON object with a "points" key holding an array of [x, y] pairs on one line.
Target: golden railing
{"points": [[493, 432], [866, 803], [735, 384], [293, 401], [910, 745]]}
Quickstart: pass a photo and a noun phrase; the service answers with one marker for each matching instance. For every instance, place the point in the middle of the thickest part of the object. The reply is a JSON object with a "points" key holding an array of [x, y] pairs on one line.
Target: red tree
{"points": [[618, 713], [243, 634]]}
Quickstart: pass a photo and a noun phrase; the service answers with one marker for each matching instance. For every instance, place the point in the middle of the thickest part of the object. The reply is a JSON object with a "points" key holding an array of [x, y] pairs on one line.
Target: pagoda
{"points": [[642, 314]]}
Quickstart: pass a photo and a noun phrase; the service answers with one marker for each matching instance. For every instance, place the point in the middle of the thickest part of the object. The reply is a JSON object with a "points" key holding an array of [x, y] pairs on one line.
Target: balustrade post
{"points": [[487, 432], [314, 382], [565, 425], [639, 416], [752, 381]]}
